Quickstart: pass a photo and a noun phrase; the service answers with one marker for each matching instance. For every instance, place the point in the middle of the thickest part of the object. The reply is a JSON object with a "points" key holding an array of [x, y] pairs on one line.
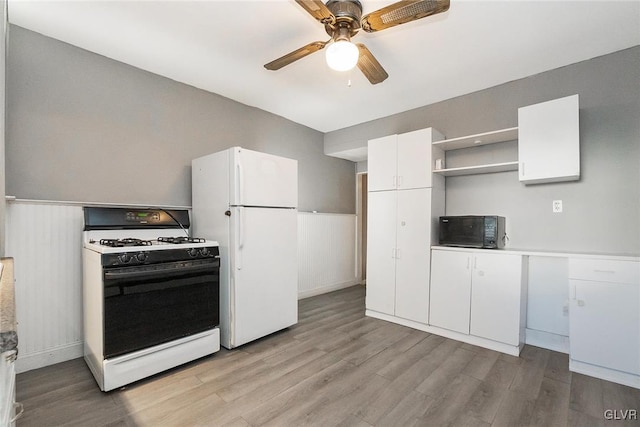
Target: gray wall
{"points": [[82, 127], [601, 210]]}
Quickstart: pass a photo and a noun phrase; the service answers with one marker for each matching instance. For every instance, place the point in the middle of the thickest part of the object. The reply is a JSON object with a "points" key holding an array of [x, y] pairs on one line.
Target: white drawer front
{"points": [[601, 270]]}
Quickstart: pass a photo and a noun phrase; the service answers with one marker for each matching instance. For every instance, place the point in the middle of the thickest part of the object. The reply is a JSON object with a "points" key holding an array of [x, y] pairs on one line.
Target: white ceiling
{"points": [[221, 46]]}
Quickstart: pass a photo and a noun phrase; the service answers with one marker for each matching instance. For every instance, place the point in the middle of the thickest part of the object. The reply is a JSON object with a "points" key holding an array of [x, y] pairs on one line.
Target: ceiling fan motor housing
{"points": [[348, 14]]}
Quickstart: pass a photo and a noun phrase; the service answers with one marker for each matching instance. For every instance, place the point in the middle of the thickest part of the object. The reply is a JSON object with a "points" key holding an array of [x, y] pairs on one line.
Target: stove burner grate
{"points": [[181, 240], [118, 243]]}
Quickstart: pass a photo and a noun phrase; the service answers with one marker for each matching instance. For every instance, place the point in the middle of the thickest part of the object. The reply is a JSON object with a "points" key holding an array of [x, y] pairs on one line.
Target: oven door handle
{"points": [[145, 273]]}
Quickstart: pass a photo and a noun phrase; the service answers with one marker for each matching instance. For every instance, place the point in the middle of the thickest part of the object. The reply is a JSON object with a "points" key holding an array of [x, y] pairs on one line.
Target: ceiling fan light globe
{"points": [[342, 55]]}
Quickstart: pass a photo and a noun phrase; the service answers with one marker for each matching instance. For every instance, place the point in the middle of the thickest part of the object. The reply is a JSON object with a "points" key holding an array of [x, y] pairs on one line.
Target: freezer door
{"points": [[260, 179], [264, 276]]}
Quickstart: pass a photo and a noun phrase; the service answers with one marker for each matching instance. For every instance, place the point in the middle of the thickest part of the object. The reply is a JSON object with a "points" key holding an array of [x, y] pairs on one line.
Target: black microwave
{"points": [[473, 231]]}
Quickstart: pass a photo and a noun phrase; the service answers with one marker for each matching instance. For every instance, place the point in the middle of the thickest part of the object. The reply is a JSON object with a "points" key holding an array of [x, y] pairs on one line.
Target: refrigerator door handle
{"points": [[240, 181], [240, 241]]}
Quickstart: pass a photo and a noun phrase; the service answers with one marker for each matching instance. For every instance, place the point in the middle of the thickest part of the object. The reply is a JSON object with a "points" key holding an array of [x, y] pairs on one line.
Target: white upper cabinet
{"points": [[382, 163], [549, 141], [401, 162]]}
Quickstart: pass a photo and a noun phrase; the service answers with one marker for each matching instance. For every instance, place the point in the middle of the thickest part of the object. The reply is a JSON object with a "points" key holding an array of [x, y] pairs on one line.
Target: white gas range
{"points": [[150, 293]]}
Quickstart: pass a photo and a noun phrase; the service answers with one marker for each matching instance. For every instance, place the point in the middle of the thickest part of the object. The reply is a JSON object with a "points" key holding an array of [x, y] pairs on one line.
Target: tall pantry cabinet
{"points": [[404, 202]]}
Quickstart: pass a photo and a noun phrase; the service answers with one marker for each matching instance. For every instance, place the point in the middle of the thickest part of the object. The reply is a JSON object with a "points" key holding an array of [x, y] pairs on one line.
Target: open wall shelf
{"points": [[503, 135], [471, 170]]}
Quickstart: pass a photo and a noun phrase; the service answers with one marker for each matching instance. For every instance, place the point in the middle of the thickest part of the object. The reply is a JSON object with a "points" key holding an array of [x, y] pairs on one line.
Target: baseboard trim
{"points": [[607, 374], [469, 339], [51, 356], [555, 342], [326, 289]]}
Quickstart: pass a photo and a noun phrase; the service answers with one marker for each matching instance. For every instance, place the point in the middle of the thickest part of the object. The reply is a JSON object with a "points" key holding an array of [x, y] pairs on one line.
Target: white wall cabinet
{"points": [[398, 250], [404, 204], [401, 161], [604, 315], [549, 141], [480, 293]]}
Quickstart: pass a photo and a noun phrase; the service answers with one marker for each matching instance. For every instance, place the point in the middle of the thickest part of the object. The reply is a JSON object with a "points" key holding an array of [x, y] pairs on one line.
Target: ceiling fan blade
{"points": [[295, 55], [318, 10], [402, 12], [370, 66]]}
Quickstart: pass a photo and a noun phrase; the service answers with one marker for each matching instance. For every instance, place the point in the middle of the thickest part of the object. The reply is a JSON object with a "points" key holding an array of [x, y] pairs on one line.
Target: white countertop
{"points": [[527, 252]]}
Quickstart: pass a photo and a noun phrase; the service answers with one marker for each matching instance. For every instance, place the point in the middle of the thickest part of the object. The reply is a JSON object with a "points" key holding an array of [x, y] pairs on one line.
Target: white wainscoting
{"points": [[326, 253], [45, 239]]}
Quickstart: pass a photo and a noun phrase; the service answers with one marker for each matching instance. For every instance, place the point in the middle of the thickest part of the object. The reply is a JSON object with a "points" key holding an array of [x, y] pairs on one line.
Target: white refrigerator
{"points": [[247, 201]]}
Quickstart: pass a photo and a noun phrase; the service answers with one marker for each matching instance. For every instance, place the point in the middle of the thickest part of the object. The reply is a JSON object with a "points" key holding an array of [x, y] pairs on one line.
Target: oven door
{"points": [[151, 304]]}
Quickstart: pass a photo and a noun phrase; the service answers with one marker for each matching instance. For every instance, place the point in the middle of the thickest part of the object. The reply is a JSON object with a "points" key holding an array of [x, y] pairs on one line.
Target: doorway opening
{"points": [[361, 226]]}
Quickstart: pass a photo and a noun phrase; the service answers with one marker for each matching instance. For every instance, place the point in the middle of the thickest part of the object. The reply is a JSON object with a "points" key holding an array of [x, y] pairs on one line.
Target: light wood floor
{"points": [[336, 367]]}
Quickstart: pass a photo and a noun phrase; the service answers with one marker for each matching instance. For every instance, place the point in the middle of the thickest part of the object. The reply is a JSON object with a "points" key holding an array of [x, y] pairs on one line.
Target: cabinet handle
{"points": [[522, 169], [399, 181], [604, 271], [393, 252], [395, 181], [398, 253], [468, 262]]}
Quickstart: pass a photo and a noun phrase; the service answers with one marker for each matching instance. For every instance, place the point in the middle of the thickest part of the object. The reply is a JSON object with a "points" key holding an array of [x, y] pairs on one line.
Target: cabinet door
{"points": [[496, 289], [549, 141], [450, 290], [414, 159], [382, 163], [381, 252], [413, 254], [605, 324]]}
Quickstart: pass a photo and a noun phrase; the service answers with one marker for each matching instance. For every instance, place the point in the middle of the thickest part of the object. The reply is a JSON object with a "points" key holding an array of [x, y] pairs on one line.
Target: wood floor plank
{"points": [[552, 405], [346, 402], [452, 400], [481, 364], [558, 367], [335, 367], [446, 373], [530, 373], [486, 401], [586, 395], [271, 373], [515, 410], [408, 410], [624, 402], [405, 360], [580, 419], [296, 399]]}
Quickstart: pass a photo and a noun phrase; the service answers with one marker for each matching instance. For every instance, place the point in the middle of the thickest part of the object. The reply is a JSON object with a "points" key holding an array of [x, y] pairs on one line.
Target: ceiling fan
{"points": [[342, 19]]}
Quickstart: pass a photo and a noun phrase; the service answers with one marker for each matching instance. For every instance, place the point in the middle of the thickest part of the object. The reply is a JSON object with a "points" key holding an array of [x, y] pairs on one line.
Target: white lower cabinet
{"points": [[604, 315], [8, 404], [398, 247], [481, 293]]}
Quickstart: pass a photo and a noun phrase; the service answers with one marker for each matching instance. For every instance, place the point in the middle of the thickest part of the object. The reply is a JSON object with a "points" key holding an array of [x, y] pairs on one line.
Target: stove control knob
{"points": [[193, 252], [124, 258], [205, 252], [141, 257]]}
